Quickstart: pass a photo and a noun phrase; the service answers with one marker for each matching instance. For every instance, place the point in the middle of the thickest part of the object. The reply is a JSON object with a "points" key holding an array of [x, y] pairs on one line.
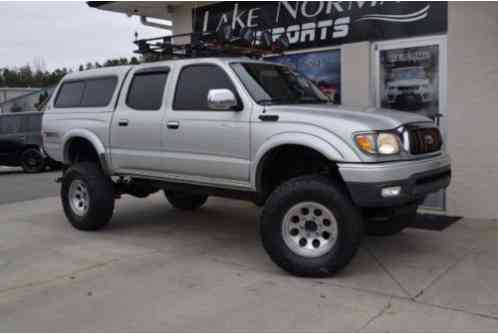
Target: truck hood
{"points": [[408, 83], [345, 119]]}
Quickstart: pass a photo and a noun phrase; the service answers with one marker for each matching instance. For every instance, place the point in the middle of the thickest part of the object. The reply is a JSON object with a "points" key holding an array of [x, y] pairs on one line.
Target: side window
{"points": [[86, 93], [146, 90], [194, 83], [70, 94], [98, 92]]}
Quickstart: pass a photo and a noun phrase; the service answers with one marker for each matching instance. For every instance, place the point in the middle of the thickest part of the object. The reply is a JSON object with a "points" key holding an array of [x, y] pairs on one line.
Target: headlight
{"points": [[388, 143], [383, 143]]}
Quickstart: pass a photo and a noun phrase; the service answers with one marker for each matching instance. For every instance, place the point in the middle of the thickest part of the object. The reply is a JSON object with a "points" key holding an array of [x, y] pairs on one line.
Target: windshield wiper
{"points": [[312, 100]]}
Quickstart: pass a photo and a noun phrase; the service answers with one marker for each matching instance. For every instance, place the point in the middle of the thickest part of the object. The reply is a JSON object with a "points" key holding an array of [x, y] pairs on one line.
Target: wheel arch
{"points": [[322, 149], [84, 136]]}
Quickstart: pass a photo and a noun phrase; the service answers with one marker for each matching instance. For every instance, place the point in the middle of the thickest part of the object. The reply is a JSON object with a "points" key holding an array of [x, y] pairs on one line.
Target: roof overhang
{"points": [[154, 9]]}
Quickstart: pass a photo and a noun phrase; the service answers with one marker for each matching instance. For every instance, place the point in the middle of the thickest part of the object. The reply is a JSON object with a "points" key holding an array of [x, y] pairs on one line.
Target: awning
{"points": [[155, 9]]}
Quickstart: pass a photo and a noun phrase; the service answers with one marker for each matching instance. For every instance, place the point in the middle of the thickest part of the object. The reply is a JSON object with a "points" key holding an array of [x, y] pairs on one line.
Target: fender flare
{"points": [[313, 142], [94, 141]]}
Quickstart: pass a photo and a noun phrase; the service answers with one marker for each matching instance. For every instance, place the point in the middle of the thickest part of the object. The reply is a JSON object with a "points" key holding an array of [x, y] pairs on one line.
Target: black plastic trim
{"points": [[414, 189]]}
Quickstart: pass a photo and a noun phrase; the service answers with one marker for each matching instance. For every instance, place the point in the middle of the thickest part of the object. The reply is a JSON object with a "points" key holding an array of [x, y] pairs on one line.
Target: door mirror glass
{"points": [[222, 99]]}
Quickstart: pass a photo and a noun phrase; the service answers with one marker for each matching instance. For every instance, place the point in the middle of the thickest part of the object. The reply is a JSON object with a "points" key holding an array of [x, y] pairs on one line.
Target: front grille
{"points": [[408, 88], [425, 140]]}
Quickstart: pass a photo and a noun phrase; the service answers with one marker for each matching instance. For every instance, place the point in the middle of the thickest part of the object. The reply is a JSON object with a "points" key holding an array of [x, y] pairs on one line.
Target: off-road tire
{"points": [[393, 225], [185, 201], [100, 191], [330, 194], [33, 160]]}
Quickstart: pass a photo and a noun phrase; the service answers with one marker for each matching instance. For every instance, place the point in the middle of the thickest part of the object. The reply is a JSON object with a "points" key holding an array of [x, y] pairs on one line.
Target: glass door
{"points": [[410, 76]]}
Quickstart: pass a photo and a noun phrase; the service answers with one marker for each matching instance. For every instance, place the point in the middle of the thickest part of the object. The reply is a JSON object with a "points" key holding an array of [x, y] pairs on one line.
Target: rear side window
{"points": [[70, 94], [98, 92], [146, 90], [194, 84], [86, 93]]}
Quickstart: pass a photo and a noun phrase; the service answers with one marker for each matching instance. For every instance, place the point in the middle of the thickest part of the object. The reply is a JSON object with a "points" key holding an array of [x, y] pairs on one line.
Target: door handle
{"points": [[173, 125], [269, 118], [123, 122]]}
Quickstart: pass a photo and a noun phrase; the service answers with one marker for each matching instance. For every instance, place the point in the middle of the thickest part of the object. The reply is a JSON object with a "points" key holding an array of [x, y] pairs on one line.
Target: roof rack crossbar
{"points": [[223, 43]]}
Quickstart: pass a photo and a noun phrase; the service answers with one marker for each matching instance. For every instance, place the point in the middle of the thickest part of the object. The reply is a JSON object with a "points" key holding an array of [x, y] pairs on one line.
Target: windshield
{"points": [[275, 84]]}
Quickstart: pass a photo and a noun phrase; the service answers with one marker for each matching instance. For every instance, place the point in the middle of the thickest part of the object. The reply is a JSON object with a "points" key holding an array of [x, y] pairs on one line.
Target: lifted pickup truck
{"points": [[245, 129]]}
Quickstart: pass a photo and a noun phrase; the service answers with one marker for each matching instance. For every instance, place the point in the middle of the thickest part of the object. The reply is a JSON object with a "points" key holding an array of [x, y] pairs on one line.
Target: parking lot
{"points": [[159, 269]]}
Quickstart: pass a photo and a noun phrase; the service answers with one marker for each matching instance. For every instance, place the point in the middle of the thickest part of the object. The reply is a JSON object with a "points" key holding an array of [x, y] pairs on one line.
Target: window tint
{"points": [[194, 84], [98, 92], [275, 84], [146, 90], [70, 94]]}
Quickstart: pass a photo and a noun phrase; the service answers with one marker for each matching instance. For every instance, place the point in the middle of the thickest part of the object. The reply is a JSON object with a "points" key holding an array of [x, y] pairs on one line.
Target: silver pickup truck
{"points": [[252, 130]]}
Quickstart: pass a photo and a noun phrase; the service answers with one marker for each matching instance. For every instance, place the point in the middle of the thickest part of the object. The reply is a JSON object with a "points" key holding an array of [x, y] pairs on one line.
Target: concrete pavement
{"points": [[15, 185], [159, 269]]}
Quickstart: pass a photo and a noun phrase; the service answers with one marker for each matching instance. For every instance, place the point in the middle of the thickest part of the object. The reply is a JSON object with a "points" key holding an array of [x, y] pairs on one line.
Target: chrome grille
{"points": [[425, 140]]}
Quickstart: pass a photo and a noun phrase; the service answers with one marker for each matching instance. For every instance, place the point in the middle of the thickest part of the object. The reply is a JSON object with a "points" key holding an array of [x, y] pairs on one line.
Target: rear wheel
{"points": [[309, 227], [393, 224], [185, 201], [87, 196], [33, 160]]}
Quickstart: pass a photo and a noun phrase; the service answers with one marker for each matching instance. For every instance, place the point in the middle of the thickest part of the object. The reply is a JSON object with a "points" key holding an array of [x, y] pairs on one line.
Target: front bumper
{"points": [[417, 179]]}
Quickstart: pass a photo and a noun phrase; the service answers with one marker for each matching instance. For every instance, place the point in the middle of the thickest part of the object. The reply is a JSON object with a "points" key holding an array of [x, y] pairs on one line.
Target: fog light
{"points": [[391, 192]]}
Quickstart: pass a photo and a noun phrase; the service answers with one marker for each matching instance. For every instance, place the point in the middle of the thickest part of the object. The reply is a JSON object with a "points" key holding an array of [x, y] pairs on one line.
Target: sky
{"points": [[65, 34]]}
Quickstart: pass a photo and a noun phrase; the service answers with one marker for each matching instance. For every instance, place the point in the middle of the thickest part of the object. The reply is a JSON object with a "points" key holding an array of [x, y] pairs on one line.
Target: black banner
{"points": [[323, 23]]}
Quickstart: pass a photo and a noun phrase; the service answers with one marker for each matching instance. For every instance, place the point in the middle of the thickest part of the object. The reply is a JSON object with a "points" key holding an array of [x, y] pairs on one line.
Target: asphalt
{"points": [[158, 269]]}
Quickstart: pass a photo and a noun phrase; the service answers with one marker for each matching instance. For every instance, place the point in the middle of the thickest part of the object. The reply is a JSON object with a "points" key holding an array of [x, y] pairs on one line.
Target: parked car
{"points": [[20, 142], [243, 129]]}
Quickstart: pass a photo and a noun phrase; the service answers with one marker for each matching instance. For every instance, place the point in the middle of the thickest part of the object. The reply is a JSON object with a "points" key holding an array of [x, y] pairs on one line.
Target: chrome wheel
{"points": [[309, 229], [79, 198]]}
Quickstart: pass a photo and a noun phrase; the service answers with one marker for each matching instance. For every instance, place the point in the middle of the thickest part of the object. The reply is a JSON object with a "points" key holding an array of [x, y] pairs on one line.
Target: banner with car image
{"points": [[323, 68], [409, 79]]}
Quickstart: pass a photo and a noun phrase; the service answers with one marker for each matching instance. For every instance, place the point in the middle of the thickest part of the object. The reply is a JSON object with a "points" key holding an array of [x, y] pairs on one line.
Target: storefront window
{"points": [[409, 80], [323, 68]]}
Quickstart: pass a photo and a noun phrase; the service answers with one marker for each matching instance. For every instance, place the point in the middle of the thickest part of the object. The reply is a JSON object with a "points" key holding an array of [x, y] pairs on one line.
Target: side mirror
{"points": [[222, 99]]}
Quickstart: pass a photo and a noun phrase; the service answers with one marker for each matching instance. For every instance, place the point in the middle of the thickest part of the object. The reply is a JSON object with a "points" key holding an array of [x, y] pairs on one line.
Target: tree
{"points": [[37, 76]]}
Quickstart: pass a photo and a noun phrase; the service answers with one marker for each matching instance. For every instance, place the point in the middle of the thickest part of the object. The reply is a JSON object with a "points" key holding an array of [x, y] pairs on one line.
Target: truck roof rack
{"points": [[223, 43]]}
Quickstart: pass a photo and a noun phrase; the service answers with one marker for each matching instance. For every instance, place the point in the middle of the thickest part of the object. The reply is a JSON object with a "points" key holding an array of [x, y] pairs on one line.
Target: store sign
{"points": [[323, 23]]}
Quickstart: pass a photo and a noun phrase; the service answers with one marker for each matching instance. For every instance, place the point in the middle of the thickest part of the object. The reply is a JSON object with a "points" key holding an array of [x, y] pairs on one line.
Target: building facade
{"points": [[438, 59]]}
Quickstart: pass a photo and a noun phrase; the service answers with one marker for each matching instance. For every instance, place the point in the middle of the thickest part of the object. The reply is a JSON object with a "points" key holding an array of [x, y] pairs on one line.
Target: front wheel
{"points": [[87, 196], [310, 227]]}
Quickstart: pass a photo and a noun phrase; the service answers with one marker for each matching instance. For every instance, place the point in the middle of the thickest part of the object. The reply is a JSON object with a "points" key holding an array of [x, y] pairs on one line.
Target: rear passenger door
{"points": [[137, 125], [201, 144]]}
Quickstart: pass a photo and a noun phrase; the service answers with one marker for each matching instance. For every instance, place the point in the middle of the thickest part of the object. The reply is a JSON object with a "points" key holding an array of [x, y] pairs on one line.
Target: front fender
{"points": [[337, 153]]}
